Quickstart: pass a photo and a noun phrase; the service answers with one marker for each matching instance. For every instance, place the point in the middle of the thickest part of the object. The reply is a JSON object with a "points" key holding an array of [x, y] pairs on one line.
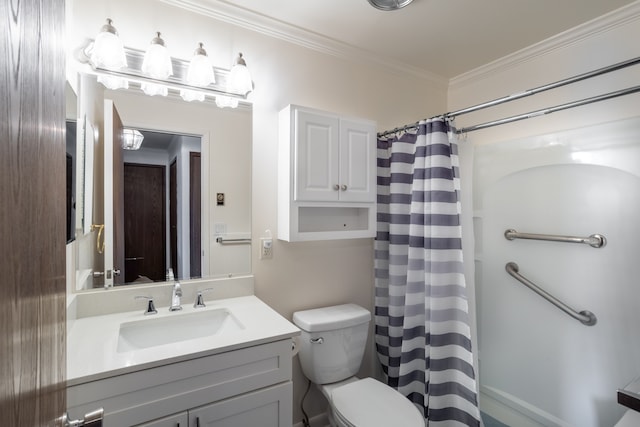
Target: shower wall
{"points": [[538, 366]]}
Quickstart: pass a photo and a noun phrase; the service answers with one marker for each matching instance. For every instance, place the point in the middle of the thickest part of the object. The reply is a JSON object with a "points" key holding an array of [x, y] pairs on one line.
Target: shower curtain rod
{"points": [[530, 92]]}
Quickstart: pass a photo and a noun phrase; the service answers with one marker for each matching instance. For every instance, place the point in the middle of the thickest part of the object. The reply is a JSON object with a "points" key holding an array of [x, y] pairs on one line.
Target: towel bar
{"points": [[595, 240]]}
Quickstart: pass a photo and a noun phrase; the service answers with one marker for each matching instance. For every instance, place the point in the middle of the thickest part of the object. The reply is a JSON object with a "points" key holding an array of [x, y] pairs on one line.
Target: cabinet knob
{"points": [[336, 187], [343, 188]]}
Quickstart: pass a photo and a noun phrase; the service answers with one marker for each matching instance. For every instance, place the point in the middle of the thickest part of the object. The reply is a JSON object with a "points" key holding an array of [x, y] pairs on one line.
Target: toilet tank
{"points": [[332, 341]]}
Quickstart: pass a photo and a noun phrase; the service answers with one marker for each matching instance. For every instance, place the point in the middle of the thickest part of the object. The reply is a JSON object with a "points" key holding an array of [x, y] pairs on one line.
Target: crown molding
{"points": [[616, 18], [226, 12]]}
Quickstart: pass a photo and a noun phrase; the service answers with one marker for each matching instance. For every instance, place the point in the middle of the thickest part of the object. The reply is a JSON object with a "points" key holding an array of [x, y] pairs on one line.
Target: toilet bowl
{"points": [[332, 345], [368, 402]]}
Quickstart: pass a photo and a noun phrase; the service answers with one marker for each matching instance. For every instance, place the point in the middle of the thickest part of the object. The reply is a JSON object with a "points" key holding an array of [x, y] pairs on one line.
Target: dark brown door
{"points": [[195, 209], [173, 215], [144, 222], [32, 213]]}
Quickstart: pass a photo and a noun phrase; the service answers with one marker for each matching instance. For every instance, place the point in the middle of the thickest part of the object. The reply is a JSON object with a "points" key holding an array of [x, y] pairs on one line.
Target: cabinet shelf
{"points": [[326, 176]]}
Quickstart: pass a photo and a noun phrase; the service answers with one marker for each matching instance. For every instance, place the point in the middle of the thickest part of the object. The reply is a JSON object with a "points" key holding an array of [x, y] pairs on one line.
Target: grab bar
{"points": [[595, 240], [586, 317], [224, 241]]}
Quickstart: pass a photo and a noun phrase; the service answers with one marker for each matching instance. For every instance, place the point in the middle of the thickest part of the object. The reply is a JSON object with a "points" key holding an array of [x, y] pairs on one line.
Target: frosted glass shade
{"points": [[157, 62], [239, 80], [200, 71], [113, 82], [108, 49], [191, 95], [154, 89], [226, 101]]}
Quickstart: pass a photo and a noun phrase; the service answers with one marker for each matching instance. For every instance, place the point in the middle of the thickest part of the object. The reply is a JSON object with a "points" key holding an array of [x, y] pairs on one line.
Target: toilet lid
{"points": [[370, 403]]}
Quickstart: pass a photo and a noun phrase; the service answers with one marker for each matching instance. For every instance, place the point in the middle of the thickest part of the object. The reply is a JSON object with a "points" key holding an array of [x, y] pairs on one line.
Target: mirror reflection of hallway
{"points": [[161, 182]]}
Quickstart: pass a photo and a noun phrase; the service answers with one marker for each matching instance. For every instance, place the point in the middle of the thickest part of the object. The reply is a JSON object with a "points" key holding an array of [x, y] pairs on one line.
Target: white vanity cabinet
{"points": [[176, 420], [244, 387], [326, 176]]}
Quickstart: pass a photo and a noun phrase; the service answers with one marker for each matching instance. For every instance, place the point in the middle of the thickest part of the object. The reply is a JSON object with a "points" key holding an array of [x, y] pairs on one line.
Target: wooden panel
{"points": [[173, 216], [32, 212], [144, 222], [195, 212], [113, 197]]}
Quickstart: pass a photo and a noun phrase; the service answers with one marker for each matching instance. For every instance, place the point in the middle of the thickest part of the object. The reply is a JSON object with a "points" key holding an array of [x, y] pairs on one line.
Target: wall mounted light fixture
{"points": [[240, 77], [108, 49], [157, 73], [157, 65], [389, 4], [200, 71], [131, 139]]}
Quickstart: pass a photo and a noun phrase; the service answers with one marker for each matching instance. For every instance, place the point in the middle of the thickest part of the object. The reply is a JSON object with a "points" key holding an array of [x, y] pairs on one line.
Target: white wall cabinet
{"points": [[326, 176], [245, 387]]}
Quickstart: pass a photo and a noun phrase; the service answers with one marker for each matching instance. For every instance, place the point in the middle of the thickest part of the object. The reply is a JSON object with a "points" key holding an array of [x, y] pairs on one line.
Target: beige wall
{"points": [[300, 275], [604, 42]]}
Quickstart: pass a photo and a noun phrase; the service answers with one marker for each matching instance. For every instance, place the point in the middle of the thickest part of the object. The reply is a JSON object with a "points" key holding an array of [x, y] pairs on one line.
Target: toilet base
{"points": [[351, 400], [326, 390]]}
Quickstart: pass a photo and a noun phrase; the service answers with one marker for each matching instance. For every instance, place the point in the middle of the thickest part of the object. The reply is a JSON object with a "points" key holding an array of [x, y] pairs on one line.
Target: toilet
{"points": [[332, 345]]}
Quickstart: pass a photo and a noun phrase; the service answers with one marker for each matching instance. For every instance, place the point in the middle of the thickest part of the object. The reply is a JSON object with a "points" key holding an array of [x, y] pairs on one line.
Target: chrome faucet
{"points": [[175, 297]]}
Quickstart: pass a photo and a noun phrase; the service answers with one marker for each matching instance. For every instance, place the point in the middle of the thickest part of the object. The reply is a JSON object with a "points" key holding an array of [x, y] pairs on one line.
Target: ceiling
{"points": [[443, 38]]}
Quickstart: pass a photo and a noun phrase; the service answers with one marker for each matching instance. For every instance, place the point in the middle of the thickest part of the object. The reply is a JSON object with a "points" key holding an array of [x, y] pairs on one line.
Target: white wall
{"points": [[532, 356], [300, 275]]}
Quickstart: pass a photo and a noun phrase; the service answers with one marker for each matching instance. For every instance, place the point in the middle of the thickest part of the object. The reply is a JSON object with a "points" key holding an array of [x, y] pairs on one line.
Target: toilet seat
{"points": [[370, 403]]}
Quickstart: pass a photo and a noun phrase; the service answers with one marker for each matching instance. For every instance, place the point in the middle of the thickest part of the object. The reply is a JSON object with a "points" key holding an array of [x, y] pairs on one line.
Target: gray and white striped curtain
{"points": [[422, 331]]}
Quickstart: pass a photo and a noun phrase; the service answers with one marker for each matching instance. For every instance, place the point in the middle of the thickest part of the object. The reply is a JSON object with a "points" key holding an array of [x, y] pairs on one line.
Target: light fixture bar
{"points": [[176, 82]]}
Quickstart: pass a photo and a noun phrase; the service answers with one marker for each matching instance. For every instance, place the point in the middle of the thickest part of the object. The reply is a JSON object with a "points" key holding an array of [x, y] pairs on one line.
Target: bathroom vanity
{"points": [[226, 364]]}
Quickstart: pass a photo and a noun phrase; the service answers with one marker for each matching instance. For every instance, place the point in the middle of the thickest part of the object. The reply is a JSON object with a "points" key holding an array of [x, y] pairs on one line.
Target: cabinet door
{"points": [[269, 407], [316, 157], [177, 420], [357, 161]]}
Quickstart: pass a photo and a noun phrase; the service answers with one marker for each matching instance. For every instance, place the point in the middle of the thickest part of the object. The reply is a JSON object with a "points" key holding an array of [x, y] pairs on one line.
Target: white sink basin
{"points": [[175, 327]]}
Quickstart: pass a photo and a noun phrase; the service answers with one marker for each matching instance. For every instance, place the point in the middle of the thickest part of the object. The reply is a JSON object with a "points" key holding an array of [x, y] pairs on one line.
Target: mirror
{"points": [[188, 187]]}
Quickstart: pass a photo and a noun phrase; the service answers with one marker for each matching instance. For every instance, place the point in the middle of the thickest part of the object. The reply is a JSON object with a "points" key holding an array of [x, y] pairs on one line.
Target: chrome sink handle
{"points": [[199, 303], [175, 297], [151, 308]]}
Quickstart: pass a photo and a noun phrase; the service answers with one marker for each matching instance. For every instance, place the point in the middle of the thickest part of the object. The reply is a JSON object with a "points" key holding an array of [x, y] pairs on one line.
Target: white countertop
{"points": [[92, 341]]}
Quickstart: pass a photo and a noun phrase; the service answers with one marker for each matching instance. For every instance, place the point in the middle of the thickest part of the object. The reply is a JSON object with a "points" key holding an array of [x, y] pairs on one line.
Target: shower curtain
{"points": [[422, 331]]}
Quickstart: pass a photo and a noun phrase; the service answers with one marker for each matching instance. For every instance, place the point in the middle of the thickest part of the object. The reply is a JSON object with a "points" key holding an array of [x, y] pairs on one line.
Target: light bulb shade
{"points": [[131, 139], [113, 82], [154, 89], [108, 50], [191, 95], [239, 80], [226, 101], [157, 62], [200, 71]]}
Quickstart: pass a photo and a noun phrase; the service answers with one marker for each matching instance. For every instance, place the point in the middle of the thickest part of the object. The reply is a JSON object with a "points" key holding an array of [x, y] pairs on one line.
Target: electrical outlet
{"points": [[266, 248]]}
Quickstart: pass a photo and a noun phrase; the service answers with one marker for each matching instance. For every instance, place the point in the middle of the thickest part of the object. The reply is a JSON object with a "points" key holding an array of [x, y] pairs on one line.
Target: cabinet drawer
{"points": [[270, 407], [177, 420], [150, 394]]}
